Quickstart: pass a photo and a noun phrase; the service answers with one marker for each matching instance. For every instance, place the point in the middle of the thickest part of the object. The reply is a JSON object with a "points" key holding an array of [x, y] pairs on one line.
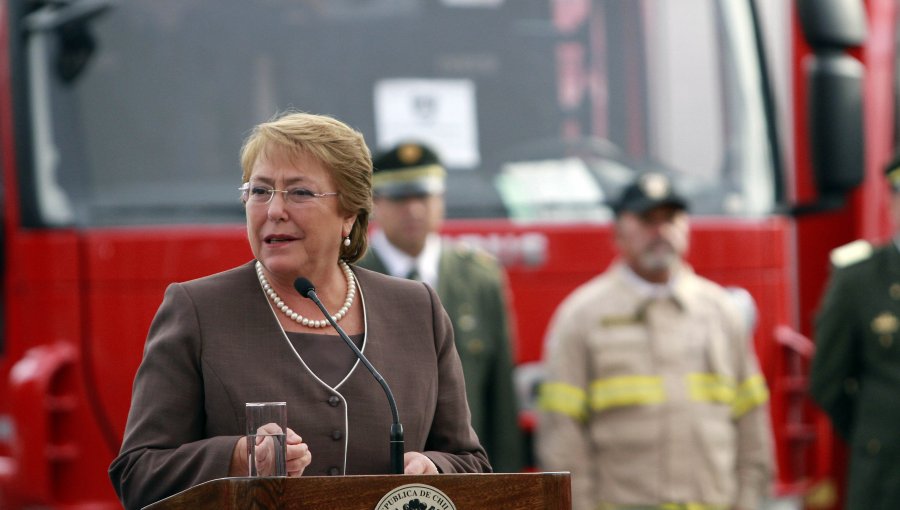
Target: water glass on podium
{"points": [[266, 434]]}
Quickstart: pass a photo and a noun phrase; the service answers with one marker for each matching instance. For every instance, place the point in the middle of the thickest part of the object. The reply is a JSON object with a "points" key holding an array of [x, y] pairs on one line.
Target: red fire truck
{"points": [[120, 124]]}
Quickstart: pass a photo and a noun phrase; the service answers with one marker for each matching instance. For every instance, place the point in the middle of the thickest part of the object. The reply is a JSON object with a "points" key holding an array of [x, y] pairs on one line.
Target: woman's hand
{"points": [[297, 457], [414, 463], [240, 461], [269, 450], [298, 454]]}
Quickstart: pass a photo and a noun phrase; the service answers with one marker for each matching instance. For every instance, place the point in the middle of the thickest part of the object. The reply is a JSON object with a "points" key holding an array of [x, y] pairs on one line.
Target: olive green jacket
{"points": [[472, 288], [856, 373]]}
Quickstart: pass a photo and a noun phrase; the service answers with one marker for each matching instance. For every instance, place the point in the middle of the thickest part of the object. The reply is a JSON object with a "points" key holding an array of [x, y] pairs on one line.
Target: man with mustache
{"points": [[653, 397]]}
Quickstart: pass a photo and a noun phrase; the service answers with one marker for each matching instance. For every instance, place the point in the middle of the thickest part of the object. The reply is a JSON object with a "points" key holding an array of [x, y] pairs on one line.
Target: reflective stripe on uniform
{"points": [[637, 390], [751, 393], [630, 390], [711, 388], [718, 388], [563, 398]]}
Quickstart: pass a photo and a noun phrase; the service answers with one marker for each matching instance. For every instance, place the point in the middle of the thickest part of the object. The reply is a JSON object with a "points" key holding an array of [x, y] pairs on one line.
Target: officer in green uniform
{"points": [[856, 369], [408, 184]]}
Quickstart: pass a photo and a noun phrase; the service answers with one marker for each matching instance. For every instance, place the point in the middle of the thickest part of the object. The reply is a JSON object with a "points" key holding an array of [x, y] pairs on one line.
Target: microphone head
{"points": [[304, 286]]}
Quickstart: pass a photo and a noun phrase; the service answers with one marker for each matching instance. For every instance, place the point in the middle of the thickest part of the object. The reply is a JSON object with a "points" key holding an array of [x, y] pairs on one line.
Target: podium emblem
{"points": [[415, 496]]}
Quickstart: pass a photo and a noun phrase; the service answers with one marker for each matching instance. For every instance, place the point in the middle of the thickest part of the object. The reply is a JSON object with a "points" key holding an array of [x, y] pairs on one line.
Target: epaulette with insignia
{"points": [[481, 257], [851, 253], [485, 257], [463, 247]]}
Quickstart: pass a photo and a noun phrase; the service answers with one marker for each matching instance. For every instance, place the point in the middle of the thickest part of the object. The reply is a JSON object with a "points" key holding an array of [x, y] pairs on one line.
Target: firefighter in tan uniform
{"points": [[653, 398]]}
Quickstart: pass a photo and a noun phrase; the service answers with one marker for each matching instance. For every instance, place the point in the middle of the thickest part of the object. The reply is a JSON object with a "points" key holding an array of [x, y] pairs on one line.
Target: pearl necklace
{"points": [[296, 317]]}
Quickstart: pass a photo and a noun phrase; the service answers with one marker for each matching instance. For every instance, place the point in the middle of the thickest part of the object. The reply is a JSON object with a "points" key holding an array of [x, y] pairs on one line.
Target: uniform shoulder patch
{"points": [[851, 253], [485, 257], [469, 251], [463, 247], [477, 260]]}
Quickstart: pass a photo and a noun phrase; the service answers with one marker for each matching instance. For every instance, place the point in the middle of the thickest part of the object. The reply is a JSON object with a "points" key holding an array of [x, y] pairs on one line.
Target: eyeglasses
{"points": [[262, 194]]}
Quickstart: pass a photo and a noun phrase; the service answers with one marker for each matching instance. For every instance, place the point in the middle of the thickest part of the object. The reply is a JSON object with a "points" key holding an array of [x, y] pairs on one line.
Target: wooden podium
{"points": [[464, 491]]}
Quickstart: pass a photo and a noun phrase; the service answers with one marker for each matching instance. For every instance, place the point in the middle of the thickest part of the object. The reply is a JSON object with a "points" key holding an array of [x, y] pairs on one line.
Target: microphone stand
{"points": [[396, 427]]}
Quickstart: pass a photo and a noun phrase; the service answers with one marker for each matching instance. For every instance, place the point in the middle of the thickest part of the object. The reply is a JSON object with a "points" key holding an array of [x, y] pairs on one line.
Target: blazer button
{"points": [[873, 446], [337, 434], [895, 290], [333, 401], [333, 471]]}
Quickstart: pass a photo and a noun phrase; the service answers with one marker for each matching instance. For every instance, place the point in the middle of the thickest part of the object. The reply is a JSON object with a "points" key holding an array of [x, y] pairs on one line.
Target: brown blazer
{"points": [[215, 345]]}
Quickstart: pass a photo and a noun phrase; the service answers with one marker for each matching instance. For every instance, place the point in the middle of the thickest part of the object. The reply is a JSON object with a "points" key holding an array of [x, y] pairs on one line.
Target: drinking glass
{"points": [[266, 435]]}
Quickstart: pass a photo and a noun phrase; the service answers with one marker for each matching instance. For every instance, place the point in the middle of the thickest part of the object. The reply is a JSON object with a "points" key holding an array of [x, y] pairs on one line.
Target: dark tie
{"points": [[413, 274]]}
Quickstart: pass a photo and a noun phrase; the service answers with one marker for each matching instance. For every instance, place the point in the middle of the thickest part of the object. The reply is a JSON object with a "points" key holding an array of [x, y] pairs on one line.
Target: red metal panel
{"points": [[126, 273], [51, 405]]}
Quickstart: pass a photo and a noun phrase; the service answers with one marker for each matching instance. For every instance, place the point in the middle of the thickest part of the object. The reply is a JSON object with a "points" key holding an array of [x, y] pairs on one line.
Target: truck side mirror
{"points": [[835, 88]]}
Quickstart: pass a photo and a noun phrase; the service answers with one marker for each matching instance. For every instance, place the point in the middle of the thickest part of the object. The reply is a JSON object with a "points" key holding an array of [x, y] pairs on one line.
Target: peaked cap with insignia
{"points": [[406, 170], [649, 191]]}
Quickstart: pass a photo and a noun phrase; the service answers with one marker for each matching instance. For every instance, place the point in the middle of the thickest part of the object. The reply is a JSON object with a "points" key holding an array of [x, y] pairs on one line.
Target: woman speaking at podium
{"points": [[246, 335]]}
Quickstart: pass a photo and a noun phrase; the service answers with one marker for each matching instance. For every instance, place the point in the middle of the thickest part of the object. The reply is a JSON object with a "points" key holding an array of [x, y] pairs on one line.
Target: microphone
{"points": [[307, 290]]}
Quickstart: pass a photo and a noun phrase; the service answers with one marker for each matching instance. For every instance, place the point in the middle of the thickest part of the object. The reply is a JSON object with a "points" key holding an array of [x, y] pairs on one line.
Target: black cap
{"points": [[408, 169], [892, 171], [648, 191]]}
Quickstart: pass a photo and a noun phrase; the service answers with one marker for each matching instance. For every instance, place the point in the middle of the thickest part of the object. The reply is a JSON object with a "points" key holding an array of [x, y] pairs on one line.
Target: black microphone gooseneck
{"points": [[307, 290]]}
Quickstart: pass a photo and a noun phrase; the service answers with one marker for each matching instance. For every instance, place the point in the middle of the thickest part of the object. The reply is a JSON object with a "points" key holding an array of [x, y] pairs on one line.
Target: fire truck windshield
{"points": [[541, 109]]}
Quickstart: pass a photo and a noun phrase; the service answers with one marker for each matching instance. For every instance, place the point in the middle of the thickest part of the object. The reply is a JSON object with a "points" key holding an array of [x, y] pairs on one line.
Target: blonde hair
{"points": [[340, 148]]}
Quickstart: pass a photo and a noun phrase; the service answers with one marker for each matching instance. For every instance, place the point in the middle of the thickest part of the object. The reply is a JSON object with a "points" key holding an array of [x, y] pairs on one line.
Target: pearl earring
{"points": [[347, 241]]}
